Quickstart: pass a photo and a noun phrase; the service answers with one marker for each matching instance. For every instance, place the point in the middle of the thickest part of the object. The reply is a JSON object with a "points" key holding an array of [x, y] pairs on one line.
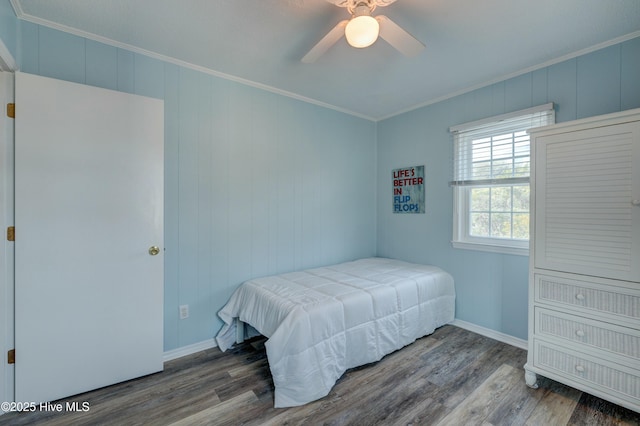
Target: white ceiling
{"points": [[470, 43]]}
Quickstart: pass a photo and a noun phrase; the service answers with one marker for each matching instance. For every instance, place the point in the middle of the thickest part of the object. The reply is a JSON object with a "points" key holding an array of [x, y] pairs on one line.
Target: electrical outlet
{"points": [[184, 311]]}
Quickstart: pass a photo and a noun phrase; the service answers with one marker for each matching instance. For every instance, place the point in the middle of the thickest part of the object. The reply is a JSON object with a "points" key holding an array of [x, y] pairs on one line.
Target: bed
{"points": [[320, 322]]}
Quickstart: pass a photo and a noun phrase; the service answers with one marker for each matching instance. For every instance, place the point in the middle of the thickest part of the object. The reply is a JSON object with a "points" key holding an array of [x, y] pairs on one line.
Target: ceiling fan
{"points": [[362, 30]]}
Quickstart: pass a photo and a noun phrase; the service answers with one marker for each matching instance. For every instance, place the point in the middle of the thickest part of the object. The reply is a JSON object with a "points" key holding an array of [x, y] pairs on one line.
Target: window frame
{"points": [[462, 185]]}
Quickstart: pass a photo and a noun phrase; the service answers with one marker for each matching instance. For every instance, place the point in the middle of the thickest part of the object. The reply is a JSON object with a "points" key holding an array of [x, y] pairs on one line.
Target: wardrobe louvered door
{"points": [[587, 186]]}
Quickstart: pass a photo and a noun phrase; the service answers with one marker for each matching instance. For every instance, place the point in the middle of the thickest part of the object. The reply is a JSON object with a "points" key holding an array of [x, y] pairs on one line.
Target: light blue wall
{"points": [[491, 288], [8, 23], [258, 183], [255, 183]]}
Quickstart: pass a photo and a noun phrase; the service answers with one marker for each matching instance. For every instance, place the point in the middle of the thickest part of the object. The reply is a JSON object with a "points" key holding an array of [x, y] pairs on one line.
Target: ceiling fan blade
{"points": [[327, 41], [398, 38], [340, 3]]}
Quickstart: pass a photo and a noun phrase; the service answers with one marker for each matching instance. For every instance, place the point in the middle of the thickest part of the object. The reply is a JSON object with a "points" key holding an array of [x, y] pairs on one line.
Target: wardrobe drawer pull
{"points": [[580, 333], [580, 296], [579, 368]]}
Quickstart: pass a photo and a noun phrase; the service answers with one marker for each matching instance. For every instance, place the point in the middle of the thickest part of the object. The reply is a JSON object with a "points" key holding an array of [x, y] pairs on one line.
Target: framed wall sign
{"points": [[408, 190]]}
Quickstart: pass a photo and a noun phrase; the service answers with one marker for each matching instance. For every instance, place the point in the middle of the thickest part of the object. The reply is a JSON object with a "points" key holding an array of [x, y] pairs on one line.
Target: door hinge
{"points": [[11, 356], [11, 110], [11, 233]]}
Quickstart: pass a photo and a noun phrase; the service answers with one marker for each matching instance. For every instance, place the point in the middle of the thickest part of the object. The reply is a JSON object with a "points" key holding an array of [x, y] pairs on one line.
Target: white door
{"points": [[88, 207]]}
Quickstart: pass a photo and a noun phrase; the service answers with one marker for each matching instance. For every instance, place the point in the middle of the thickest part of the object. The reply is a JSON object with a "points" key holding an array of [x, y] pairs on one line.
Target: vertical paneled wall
{"points": [[8, 27], [255, 183], [491, 288]]}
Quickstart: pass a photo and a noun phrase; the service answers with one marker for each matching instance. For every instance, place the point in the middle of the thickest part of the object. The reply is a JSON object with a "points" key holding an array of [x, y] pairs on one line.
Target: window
{"points": [[491, 181]]}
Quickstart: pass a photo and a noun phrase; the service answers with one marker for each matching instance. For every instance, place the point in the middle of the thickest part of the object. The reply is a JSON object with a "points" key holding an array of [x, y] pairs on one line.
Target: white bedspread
{"points": [[323, 321]]}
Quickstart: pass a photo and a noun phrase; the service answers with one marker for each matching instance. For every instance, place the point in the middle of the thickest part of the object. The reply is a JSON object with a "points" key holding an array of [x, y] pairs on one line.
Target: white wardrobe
{"points": [[584, 280]]}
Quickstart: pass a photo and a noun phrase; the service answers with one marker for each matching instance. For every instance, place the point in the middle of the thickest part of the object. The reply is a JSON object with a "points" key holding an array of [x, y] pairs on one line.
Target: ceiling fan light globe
{"points": [[362, 31]]}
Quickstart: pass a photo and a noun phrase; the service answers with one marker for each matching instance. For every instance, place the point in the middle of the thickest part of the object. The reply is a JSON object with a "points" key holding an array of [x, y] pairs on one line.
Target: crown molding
{"points": [[17, 7], [504, 77]]}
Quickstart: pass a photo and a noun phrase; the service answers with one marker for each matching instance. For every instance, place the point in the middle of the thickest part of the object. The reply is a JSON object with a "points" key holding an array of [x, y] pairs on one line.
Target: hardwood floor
{"points": [[452, 377]]}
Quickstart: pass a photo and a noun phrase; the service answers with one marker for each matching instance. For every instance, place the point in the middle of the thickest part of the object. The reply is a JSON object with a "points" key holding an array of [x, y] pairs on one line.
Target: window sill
{"points": [[493, 248]]}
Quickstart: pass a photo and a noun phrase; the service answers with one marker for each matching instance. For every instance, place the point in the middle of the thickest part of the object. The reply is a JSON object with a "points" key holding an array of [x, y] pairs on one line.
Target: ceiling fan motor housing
{"points": [[361, 7]]}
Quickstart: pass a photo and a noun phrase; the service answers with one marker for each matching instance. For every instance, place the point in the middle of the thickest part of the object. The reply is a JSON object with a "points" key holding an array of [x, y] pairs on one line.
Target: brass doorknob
{"points": [[153, 250]]}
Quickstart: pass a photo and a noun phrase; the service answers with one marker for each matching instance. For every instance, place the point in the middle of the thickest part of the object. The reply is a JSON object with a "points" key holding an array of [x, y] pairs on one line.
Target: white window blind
{"points": [[496, 150]]}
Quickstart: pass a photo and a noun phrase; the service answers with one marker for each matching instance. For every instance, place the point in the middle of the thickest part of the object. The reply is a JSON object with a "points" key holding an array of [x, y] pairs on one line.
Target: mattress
{"points": [[320, 322]]}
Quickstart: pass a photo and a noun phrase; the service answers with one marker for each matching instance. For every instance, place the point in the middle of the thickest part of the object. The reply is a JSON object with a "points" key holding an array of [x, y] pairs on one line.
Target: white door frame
{"points": [[7, 66]]}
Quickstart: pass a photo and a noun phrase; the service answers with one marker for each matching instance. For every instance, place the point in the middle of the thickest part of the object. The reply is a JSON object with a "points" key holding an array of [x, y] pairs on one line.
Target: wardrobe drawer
{"points": [[588, 333], [587, 370], [588, 296]]}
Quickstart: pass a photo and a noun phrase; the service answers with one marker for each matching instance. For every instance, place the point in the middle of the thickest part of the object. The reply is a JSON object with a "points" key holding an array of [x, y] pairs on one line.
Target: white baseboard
{"points": [[189, 349], [496, 335]]}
